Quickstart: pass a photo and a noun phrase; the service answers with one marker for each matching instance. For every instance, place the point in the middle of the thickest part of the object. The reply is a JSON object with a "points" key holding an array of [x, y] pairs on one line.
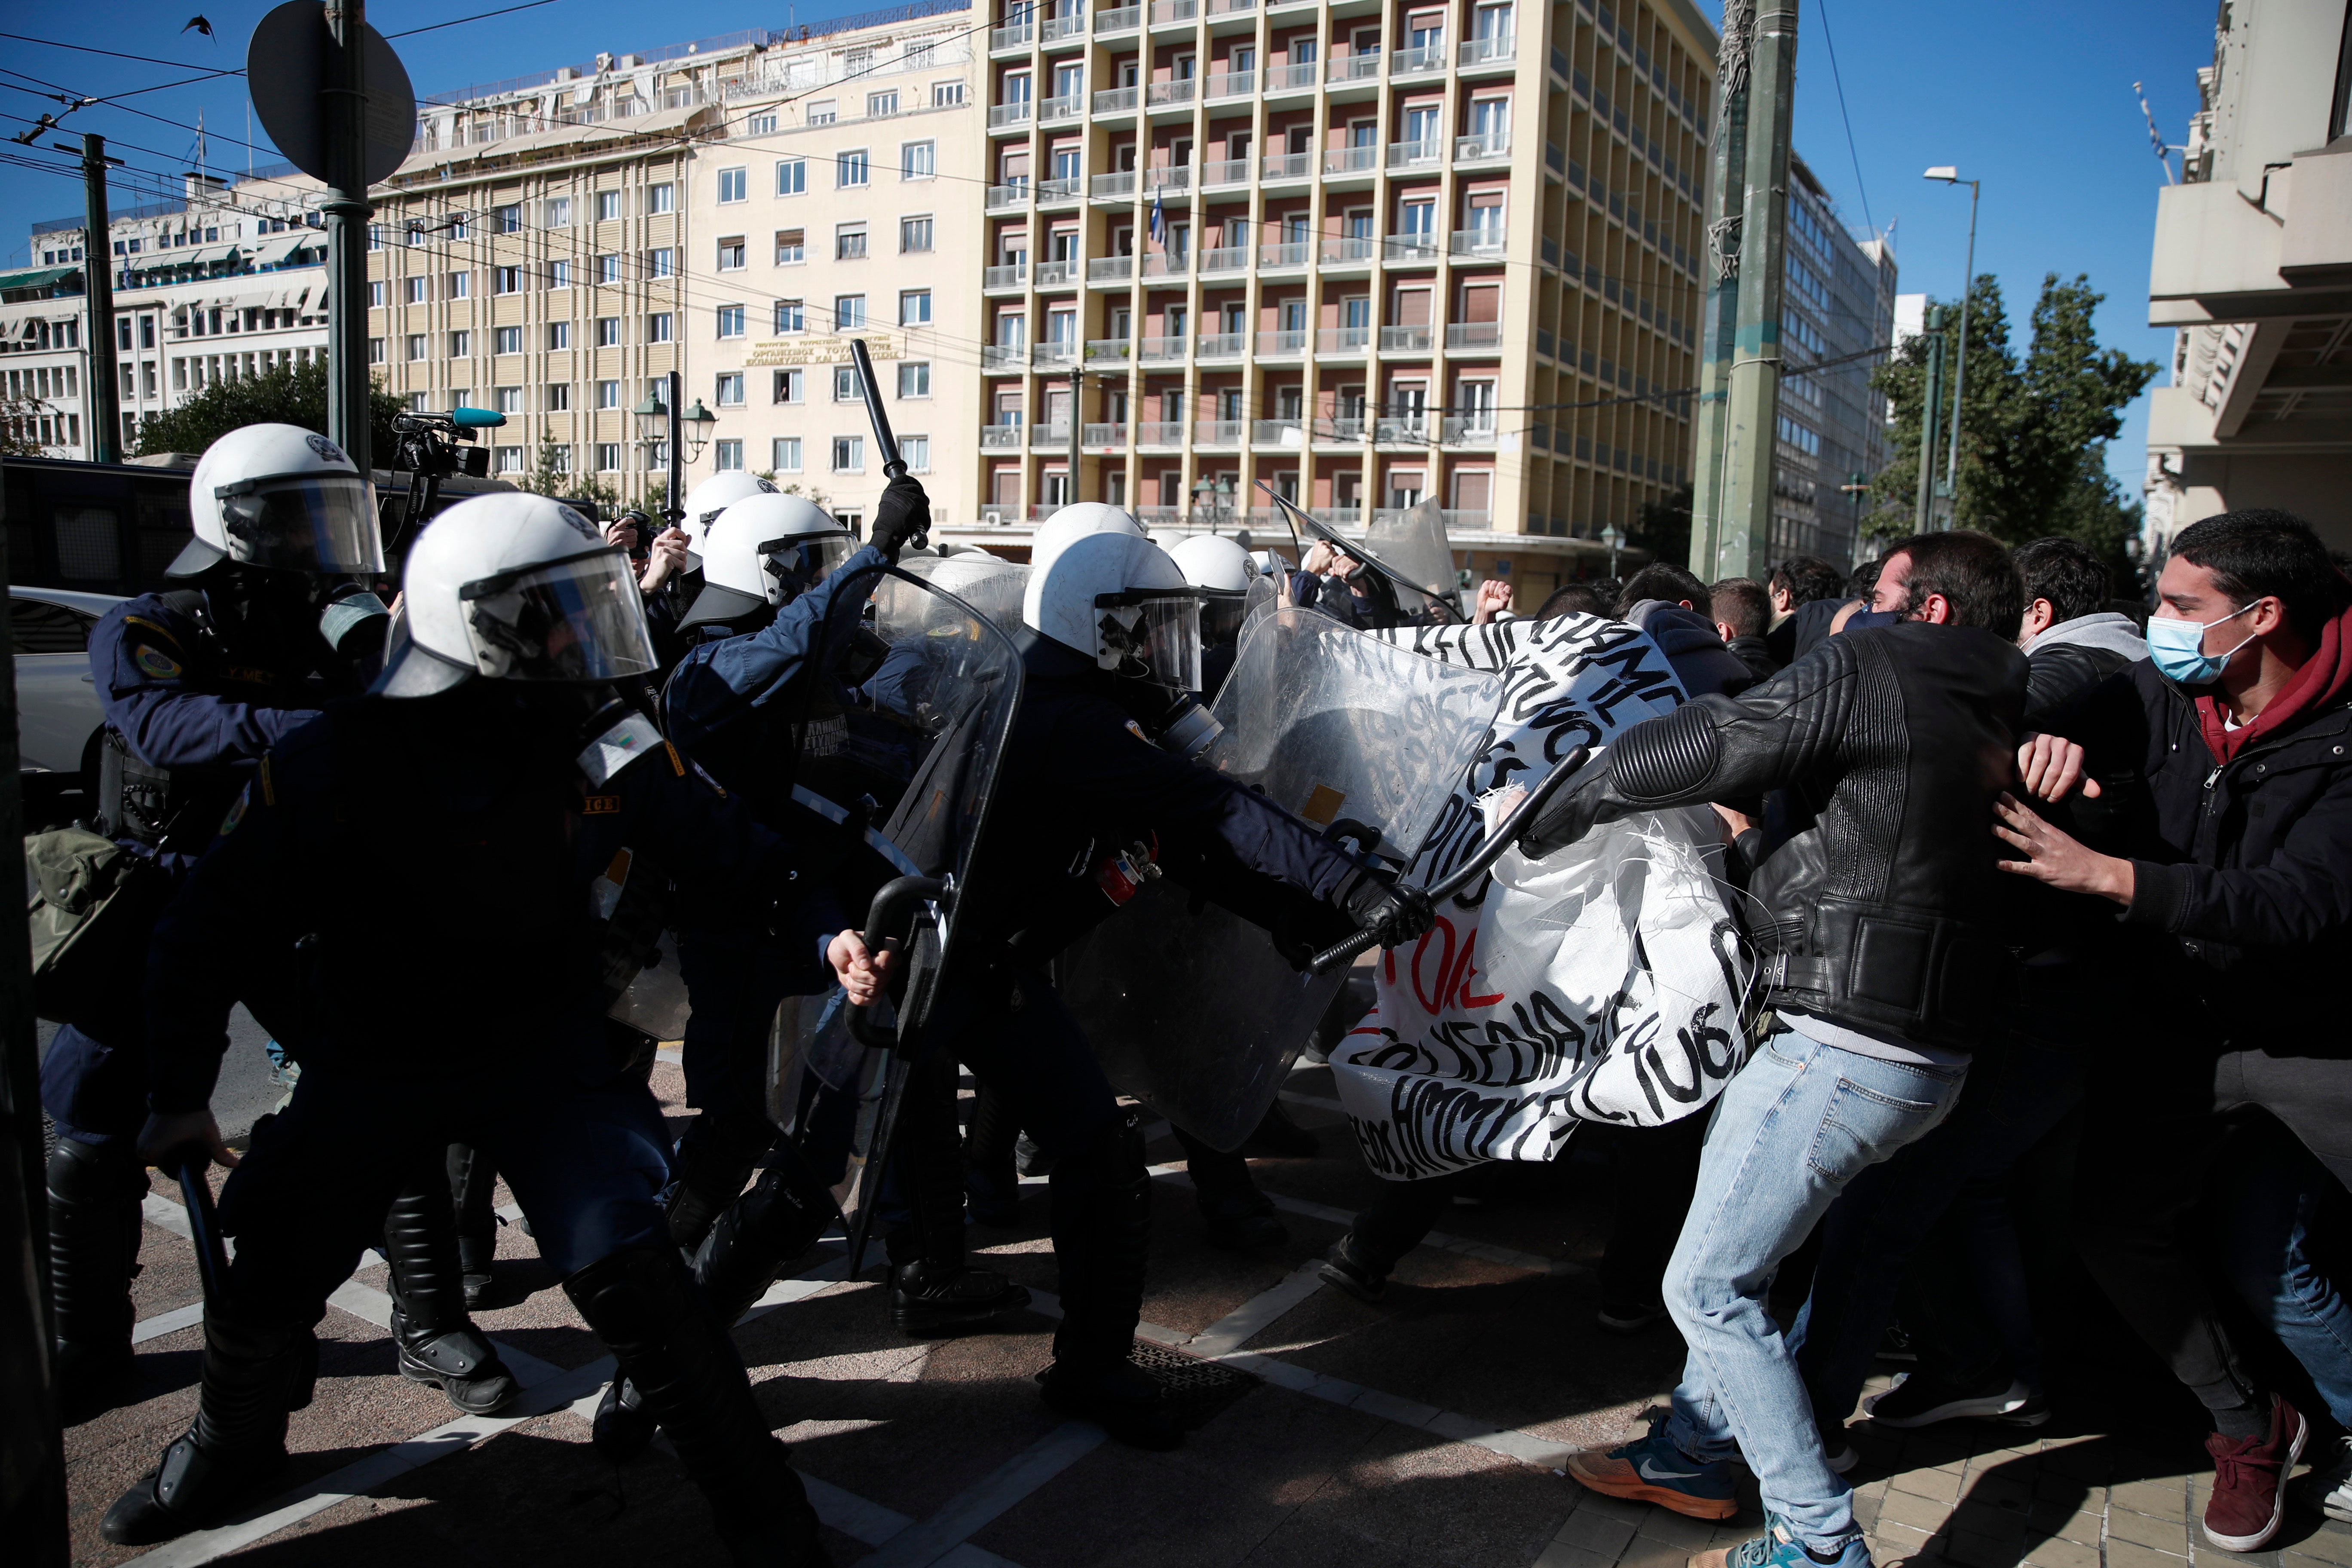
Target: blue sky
{"points": [[2033, 99]]}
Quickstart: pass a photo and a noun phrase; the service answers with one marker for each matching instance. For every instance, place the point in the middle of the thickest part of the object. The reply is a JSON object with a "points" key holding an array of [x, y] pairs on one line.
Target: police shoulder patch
{"points": [[601, 805], [154, 662]]}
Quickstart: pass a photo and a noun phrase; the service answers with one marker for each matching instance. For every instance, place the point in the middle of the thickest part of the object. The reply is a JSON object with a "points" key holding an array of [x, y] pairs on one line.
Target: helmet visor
{"points": [[576, 620], [1151, 635], [1220, 617], [303, 522], [801, 562]]}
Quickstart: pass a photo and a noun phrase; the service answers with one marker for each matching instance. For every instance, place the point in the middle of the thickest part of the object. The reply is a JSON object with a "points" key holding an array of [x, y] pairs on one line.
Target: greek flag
{"points": [[1159, 220]]}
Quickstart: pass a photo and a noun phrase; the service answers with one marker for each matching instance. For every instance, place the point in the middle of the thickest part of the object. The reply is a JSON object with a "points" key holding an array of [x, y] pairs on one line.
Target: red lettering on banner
{"points": [[1434, 1004], [1468, 1000]]}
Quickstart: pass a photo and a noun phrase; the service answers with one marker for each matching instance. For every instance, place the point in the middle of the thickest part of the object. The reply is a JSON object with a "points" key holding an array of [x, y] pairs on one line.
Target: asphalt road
{"points": [[246, 1089]]}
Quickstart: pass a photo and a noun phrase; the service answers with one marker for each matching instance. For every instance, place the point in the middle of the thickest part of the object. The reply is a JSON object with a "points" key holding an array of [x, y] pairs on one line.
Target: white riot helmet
{"points": [[714, 495], [281, 496], [1077, 521], [764, 551], [1224, 572], [1118, 599], [516, 587]]}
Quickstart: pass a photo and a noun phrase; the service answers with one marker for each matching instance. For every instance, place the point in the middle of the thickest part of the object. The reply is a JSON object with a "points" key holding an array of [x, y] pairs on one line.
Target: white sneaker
{"points": [[2328, 1485]]}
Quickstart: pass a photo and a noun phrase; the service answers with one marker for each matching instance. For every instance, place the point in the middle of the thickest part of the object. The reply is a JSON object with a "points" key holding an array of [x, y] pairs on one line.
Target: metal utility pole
{"points": [[348, 210], [1751, 415], [674, 507], [1931, 419], [1077, 389], [1960, 360], [98, 281], [1726, 195]]}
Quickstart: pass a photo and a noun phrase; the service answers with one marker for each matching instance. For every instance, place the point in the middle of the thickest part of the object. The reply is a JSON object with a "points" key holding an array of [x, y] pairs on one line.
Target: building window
{"points": [[730, 389], [727, 457], [784, 454], [849, 454], [608, 331], [844, 384], [558, 212], [824, 112], [608, 457], [918, 161], [881, 105], [608, 206], [608, 269], [657, 327], [914, 235], [914, 380], [763, 124], [376, 295], [790, 317], [792, 247], [509, 459], [661, 199], [789, 386], [848, 312], [731, 320], [946, 94], [416, 346], [507, 399], [791, 176], [509, 340], [734, 186], [916, 452], [461, 285], [559, 275], [505, 279], [412, 291], [376, 351], [915, 307], [461, 345], [730, 254], [559, 335], [556, 398], [608, 394], [849, 242], [507, 219], [661, 263], [850, 169], [656, 455]]}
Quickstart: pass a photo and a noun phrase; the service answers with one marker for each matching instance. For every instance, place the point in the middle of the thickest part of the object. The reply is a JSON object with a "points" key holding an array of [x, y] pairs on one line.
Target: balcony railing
{"points": [[1413, 62], [1478, 241], [1351, 160], [1290, 166], [1232, 84], [1485, 51], [1222, 345], [1484, 147], [1225, 172], [1411, 247], [1474, 335], [1159, 349], [1118, 99], [1289, 345], [1226, 258], [1165, 264], [1411, 154], [1346, 250], [1174, 11], [1219, 432], [1003, 356], [1469, 430], [1343, 340], [1159, 433], [1011, 277], [1011, 195], [1339, 430], [1063, 26], [1068, 108], [1096, 436], [1109, 268], [1406, 338], [1354, 68], [1010, 113], [1108, 185], [1013, 37], [1066, 189], [1554, 159], [1126, 19], [1051, 437], [1227, 6], [1276, 432], [1292, 253], [1289, 78], [1173, 178], [1108, 348], [992, 436], [1063, 271], [1401, 427]]}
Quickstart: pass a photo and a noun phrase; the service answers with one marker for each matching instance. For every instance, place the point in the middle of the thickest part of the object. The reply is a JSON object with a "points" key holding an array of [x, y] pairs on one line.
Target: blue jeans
{"points": [[2273, 1199], [1801, 1121]]}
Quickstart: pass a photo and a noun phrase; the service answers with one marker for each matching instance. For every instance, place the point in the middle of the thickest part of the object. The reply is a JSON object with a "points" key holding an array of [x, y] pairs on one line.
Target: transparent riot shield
{"points": [[1191, 1009], [988, 584], [1409, 554], [900, 742]]}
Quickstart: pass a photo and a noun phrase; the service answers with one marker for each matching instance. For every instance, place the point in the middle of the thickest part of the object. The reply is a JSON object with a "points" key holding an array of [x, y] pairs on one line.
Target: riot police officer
{"points": [[494, 787], [1087, 804]]}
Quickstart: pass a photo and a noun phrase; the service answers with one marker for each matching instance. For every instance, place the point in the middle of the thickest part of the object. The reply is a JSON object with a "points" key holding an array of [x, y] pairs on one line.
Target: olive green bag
{"points": [[92, 904]]}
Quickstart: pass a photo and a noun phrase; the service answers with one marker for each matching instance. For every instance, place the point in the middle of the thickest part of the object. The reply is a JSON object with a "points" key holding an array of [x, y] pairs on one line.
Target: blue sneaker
{"points": [[1651, 1470], [1776, 1548]]}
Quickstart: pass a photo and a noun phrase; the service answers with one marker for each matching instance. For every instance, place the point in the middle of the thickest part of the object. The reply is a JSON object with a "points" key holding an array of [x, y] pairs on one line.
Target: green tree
{"points": [[291, 394], [2033, 430], [553, 474], [1663, 528], [20, 427]]}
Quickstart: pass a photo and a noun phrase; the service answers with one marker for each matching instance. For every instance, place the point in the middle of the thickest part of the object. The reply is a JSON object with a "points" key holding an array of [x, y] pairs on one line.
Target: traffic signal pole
{"points": [[348, 210], [102, 393]]}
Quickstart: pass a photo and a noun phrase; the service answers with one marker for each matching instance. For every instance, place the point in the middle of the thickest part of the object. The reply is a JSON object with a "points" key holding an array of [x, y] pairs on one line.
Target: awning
{"points": [[35, 278], [271, 249]]}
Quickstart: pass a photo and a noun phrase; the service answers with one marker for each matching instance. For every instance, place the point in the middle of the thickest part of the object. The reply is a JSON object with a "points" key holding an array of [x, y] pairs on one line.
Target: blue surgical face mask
{"points": [[2179, 649]]}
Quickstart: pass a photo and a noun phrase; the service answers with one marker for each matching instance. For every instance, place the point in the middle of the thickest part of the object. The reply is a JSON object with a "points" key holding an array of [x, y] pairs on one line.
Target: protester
{"points": [[1665, 602], [2234, 884], [2071, 638], [1742, 610], [1575, 599], [1795, 584]]}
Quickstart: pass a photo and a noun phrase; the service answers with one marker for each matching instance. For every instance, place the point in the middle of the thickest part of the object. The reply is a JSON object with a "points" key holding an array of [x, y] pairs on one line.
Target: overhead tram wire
{"points": [[1853, 150]]}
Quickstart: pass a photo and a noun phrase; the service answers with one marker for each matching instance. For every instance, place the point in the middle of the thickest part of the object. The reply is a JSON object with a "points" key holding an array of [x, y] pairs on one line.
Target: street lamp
{"points": [[653, 418], [1609, 537], [696, 424], [1216, 496], [1950, 175]]}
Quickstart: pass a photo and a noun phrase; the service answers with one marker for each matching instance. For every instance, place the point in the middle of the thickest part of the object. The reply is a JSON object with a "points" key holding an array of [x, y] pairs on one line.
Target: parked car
{"points": [[58, 717]]}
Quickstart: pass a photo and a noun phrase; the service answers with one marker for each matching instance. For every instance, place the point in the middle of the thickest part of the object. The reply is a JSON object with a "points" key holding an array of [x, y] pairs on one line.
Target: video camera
{"points": [[434, 447]]}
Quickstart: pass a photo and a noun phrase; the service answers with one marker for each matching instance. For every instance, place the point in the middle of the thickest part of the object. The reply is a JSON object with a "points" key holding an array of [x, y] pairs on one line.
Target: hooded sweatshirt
{"points": [[1693, 647]]}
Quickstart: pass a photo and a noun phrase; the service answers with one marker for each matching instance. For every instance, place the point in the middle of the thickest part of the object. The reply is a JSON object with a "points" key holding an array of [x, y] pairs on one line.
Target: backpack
{"points": [[93, 905]]}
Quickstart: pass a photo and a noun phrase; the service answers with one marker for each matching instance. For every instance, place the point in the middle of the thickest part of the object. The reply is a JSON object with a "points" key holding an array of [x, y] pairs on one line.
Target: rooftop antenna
{"points": [[2155, 138]]}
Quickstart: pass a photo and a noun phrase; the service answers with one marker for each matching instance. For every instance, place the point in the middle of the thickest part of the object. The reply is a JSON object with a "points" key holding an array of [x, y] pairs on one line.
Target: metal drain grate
{"points": [[1197, 1391]]}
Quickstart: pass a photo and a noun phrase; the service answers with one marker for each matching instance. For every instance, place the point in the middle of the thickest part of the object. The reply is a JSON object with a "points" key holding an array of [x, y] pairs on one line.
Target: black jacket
{"points": [[2242, 871], [1751, 651], [1877, 911], [1693, 647]]}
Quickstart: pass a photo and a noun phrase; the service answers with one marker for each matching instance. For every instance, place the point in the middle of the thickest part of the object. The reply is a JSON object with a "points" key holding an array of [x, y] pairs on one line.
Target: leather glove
{"points": [[1566, 817], [1389, 910], [903, 513]]}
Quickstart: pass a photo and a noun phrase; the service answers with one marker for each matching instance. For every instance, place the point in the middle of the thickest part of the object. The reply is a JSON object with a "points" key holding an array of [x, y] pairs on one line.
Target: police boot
{"points": [[439, 1345], [641, 1304], [714, 1159], [1102, 1227], [933, 1290], [1238, 1216], [473, 1190], [95, 1192], [989, 1176], [777, 1221], [252, 1377]]}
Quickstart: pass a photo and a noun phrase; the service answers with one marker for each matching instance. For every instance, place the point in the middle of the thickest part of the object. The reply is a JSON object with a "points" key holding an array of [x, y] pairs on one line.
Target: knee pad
{"points": [[632, 1298], [82, 1173]]}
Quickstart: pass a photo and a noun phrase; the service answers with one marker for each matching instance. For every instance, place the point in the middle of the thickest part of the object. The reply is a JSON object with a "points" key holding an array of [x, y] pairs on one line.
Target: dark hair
{"points": [[1741, 604], [2261, 552], [1807, 578], [1975, 573], [1864, 580], [1662, 580], [2064, 571], [1574, 599]]}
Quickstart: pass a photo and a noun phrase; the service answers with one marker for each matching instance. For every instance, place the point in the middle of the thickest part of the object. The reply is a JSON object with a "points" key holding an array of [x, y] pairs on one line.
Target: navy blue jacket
{"points": [[718, 683]]}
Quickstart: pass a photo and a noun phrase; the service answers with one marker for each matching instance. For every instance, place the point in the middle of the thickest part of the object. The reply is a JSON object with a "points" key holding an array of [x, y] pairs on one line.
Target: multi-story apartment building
{"points": [[1364, 251], [227, 282], [558, 244], [1837, 303]]}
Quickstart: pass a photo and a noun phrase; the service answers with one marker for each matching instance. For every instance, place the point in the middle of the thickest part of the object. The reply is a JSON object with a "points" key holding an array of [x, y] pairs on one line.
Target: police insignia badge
{"points": [[156, 662]]}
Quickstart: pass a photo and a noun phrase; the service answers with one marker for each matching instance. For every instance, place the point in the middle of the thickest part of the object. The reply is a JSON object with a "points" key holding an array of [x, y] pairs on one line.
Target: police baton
{"points": [[1500, 838], [892, 465], [204, 1225]]}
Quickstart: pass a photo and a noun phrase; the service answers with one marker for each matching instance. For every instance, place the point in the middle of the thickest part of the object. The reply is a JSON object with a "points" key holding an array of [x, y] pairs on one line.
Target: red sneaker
{"points": [[2249, 1481]]}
